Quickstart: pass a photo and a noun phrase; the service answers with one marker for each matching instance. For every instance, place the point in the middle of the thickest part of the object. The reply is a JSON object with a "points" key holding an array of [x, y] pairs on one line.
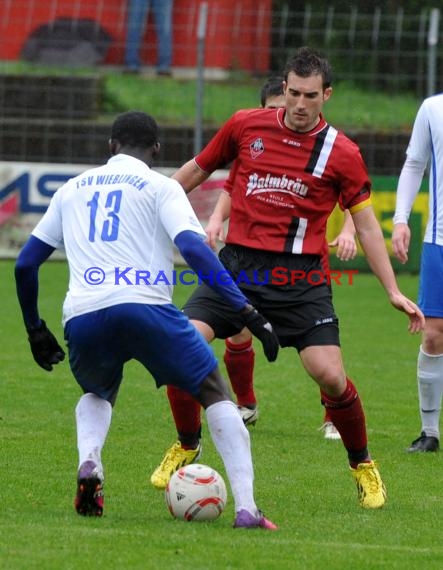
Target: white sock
{"points": [[430, 391], [93, 415], [231, 439]]}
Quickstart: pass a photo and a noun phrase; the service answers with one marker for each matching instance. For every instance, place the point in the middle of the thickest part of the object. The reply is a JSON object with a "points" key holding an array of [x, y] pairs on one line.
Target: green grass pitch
{"points": [[302, 480]]}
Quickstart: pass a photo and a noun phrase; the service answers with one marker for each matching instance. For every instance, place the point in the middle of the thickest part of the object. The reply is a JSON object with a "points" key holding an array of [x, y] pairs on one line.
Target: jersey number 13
{"points": [[109, 229]]}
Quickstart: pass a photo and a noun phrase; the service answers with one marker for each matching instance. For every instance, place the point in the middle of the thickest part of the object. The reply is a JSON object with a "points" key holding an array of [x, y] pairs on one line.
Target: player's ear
{"points": [[156, 149], [113, 147], [327, 93]]}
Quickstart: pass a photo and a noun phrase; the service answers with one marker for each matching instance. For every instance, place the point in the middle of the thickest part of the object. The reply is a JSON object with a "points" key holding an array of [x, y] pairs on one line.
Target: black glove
{"points": [[263, 330], [44, 346]]}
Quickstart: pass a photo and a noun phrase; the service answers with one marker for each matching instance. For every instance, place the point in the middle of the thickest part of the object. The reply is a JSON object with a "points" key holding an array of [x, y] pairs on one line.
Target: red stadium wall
{"points": [[238, 33]]}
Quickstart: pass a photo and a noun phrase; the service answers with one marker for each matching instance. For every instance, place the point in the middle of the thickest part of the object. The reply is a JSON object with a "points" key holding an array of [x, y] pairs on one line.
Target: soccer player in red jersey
{"points": [[239, 356], [292, 168]]}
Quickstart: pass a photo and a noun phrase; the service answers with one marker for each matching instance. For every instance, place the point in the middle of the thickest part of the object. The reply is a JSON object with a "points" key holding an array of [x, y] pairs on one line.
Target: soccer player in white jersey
{"points": [[118, 224], [426, 149]]}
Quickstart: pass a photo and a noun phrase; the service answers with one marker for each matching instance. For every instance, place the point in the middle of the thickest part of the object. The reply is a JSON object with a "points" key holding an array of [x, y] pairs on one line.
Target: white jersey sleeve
{"points": [[50, 228], [419, 147], [425, 149], [176, 212], [409, 183], [417, 157]]}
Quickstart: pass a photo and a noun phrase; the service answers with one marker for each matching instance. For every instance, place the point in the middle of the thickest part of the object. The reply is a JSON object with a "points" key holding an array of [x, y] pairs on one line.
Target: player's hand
{"points": [[44, 347], [215, 231], [263, 330], [416, 317], [401, 237], [346, 246]]}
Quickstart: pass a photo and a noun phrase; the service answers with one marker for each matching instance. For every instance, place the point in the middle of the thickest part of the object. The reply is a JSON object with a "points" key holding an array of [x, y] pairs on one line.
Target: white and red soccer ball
{"points": [[196, 492]]}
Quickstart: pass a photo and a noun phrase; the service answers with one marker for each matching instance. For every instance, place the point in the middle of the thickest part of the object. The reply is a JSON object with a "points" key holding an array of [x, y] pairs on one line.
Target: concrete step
{"points": [[50, 96]]}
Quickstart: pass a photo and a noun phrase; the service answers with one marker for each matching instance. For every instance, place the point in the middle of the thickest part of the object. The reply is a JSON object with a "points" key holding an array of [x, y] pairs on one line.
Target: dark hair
{"points": [[135, 129], [272, 88], [306, 62]]}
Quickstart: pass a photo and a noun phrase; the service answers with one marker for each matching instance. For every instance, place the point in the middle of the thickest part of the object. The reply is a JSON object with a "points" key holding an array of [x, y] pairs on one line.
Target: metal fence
{"points": [[375, 48], [55, 121]]}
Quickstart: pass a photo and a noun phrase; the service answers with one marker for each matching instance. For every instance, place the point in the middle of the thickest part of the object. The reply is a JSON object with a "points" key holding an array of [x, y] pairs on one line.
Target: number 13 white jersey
{"points": [[117, 224]]}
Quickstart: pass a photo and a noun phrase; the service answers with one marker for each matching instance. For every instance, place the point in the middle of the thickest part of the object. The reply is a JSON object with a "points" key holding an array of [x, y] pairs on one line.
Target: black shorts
{"points": [[299, 308]]}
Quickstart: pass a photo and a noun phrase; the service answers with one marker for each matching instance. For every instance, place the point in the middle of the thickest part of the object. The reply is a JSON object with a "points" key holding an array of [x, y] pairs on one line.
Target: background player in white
{"points": [[118, 224], [426, 148]]}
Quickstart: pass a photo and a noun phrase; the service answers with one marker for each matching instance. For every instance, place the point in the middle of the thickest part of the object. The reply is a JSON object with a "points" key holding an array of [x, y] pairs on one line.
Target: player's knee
{"points": [[204, 329], [331, 380], [213, 389], [242, 337], [433, 337]]}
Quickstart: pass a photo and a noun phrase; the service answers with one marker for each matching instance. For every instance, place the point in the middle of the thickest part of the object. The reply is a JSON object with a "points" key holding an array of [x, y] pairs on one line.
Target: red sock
{"points": [[347, 415], [239, 361], [186, 412], [327, 417]]}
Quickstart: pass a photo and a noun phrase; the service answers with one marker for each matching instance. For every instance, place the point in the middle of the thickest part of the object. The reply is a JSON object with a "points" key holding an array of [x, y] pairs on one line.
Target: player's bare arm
{"points": [[372, 241], [215, 227], [345, 240], [190, 175]]}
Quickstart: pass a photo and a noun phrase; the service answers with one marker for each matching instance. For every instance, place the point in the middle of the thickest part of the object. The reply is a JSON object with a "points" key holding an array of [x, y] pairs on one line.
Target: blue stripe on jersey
{"points": [[433, 184]]}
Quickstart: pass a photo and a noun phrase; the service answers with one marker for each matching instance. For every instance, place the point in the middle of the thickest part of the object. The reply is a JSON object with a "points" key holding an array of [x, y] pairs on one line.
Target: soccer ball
{"points": [[196, 493]]}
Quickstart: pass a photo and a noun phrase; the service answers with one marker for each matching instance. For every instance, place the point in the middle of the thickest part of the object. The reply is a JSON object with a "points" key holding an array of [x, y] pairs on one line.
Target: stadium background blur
{"points": [[52, 121], [62, 82]]}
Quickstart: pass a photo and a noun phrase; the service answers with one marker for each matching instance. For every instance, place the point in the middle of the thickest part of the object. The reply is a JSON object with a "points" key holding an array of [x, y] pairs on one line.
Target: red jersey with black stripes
{"points": [[286, 183]]}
